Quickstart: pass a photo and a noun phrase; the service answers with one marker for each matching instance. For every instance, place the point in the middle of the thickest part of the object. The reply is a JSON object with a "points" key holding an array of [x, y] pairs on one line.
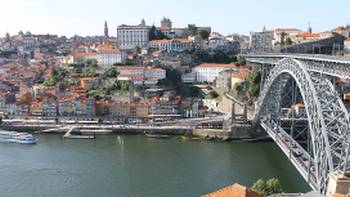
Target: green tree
{"points": [[155, 34], [111, 73], [204, 34], [92, 63], [212, 95], [192, 29], [152, 33], [241, 61], [288, 41], [127, 63], [267, 187], [55, 77], [124, 85], [274, 186], [88, 73]]}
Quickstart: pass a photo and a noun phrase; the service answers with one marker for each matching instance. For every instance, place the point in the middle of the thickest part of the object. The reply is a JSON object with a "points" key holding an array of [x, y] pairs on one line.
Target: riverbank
{"points": [[236, 133]]}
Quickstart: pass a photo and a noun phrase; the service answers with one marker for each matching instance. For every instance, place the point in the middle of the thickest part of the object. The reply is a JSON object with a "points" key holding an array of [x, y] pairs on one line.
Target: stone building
{"points": [[261, 42], [131, 36]]}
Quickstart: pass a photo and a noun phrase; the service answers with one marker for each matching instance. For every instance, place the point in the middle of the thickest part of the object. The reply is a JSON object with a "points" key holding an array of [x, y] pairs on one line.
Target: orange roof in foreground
{"points": [[340, 195], [235, 190]]}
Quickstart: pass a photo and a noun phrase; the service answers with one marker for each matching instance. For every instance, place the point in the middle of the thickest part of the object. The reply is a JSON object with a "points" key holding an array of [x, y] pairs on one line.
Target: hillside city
{"points": [[141, 72], [286, 85]]}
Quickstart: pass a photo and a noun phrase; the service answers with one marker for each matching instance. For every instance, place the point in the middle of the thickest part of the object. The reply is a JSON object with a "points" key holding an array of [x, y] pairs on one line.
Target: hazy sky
{"points": [[86, 17]]}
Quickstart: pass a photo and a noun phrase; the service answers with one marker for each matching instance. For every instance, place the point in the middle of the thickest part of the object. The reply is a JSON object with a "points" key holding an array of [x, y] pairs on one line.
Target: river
{"points": [[132, 165]]}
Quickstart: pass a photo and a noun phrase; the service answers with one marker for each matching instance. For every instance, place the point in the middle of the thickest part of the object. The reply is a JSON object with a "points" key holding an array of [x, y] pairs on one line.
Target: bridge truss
{"points": [[318, 142]]}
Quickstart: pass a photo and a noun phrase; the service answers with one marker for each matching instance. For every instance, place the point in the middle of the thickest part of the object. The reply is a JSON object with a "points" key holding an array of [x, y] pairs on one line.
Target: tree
{"points": [[127, 63], [288, 41], [217, 57], [93, 63], [111, 73], [204, 34], [274, 186], [155, 34], [212, 95], [192, 29], [241, 61], [54, 74], [152, 33], [53, 78], [267, 187], [124, 85]]}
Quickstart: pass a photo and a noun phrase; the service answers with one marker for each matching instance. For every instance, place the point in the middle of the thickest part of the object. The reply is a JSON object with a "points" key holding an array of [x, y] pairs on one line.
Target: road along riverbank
{"points": [[236, 133]]}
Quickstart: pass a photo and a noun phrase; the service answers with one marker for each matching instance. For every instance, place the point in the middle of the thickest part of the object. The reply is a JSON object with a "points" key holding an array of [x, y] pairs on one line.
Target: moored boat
{"points": [[17, 137], [155, 135]]}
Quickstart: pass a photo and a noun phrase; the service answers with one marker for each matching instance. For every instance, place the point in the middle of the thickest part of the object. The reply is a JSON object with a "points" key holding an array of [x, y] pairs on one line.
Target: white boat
{"points": [[155, 135], [17, 137]]}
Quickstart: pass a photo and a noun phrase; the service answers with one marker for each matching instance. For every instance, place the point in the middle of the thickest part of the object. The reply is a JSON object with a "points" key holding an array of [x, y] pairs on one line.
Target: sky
{"points": [[86, 17]]}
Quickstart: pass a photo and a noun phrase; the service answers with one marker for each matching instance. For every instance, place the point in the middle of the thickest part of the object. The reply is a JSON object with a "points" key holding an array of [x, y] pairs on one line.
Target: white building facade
{"points": [[173, 45], [347, 45], [140, 75], [207, 72], [109, 57], [131, 36]]}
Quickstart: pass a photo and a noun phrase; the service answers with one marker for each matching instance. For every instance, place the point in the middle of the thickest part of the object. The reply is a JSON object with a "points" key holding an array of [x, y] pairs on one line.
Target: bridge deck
{"points": [[309, 57]]}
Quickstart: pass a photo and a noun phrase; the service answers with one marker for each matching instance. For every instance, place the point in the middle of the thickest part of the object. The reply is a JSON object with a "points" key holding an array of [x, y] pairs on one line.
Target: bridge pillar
{"points": [[338, 183]]}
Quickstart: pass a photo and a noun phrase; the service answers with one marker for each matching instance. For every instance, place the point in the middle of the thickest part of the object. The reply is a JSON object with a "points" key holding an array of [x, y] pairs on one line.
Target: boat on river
{"points": [[155, 135], [17, 137]]}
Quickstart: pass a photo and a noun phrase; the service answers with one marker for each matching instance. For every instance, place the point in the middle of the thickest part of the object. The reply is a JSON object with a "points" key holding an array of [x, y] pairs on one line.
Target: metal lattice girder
{"points": [[336, 121], [328, 119], [329, 65]]}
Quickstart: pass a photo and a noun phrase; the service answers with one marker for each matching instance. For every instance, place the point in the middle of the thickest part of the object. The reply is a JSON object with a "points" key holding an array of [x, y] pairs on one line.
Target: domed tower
{"points": [[143, 22]]}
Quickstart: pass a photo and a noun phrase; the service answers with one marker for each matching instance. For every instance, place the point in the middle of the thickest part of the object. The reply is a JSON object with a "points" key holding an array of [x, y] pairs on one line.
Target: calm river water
{"points": [[132, 165]]}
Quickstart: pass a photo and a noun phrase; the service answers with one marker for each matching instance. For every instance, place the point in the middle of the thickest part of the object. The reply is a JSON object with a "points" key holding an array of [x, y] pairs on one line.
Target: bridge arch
{"points": [[328, 120]]}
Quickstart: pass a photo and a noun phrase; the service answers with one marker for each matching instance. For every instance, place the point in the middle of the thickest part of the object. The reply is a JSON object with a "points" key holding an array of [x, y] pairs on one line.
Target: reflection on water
{"points": [[130, 165]]}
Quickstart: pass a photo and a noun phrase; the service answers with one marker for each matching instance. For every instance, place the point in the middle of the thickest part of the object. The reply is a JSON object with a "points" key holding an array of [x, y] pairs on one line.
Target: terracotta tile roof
{"points": [[109, 51], [235, 190], [104, 46], [78, 55], [300, 105], [309, 35], [341, 195], [123, 104], [158, 41], [242, 73]]}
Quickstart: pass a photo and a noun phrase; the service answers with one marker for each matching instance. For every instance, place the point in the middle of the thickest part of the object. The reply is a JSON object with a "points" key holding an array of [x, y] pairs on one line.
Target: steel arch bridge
{"points": [[323, 144]]}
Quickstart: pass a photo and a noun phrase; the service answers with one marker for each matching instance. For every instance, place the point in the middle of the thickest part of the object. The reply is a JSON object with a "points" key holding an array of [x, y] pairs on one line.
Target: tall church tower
{"points": [[309, 29], [106, 29]]}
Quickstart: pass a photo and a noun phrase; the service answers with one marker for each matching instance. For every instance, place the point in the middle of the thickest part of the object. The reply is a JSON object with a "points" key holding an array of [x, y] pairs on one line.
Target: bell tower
{"points": [[106, 29]]}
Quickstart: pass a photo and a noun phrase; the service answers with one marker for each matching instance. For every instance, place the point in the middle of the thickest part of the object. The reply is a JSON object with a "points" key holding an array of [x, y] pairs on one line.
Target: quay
{"points": [[88, 131]]}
